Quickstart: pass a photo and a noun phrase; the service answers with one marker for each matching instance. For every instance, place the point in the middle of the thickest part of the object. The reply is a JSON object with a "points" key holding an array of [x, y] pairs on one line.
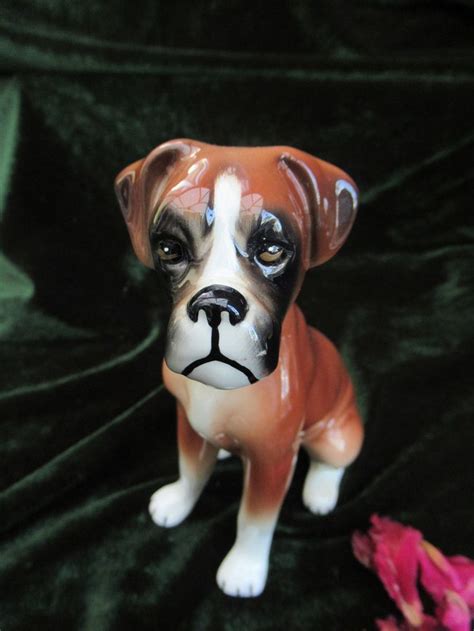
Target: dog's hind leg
{"points": [[171, 504], [332, 445]]}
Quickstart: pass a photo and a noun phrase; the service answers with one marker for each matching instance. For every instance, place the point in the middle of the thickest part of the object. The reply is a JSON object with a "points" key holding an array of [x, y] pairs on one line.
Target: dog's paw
{"points": [[171, 504], [321, 488], [241, 574]]}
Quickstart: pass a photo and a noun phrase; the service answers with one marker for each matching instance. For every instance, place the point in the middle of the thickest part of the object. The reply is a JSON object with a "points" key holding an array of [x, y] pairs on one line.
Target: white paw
{"points": [[321, 488], [171, 504], [242, 575]]}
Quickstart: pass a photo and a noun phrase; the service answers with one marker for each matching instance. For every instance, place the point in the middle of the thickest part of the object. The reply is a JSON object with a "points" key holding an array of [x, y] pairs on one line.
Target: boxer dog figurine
{"points": [[233, 230]]}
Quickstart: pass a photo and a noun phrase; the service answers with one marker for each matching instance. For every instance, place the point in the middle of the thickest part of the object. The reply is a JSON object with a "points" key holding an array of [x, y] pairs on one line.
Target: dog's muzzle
{"points": [[221, 339], [215, 300]]}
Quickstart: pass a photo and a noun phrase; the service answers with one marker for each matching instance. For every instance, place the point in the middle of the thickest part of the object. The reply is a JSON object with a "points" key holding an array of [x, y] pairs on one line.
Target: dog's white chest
{"points": [[204, 408]]}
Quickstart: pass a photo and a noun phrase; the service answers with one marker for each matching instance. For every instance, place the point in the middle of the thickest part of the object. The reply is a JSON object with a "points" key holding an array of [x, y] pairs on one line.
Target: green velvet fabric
{"points": [[383, 89]]}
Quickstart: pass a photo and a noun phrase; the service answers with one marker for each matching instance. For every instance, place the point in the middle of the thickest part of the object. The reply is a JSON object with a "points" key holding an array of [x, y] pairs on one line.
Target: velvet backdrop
{"points": [[383, 89]]}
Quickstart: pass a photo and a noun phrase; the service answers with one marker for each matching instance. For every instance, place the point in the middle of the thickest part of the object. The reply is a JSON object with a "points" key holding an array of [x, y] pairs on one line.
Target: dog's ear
{"points": [[329, 198], [138, 189]]}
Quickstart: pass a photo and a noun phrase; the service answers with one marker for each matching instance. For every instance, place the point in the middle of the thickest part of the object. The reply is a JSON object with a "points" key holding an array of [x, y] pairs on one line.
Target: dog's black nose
{"points": [[214, 300]]}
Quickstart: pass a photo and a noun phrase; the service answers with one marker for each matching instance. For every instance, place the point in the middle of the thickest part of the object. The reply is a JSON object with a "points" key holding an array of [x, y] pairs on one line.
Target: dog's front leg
{"points": [[171, 504], [244, 570]]}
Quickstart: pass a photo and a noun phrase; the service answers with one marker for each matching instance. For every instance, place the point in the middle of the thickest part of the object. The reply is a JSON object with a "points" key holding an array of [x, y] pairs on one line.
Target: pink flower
{"points": [[399, 555], [390, 624], [390, 549], [450, 582]]}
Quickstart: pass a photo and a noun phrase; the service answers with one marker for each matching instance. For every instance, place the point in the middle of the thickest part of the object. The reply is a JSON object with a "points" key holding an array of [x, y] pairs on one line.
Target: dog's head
{"points": [[233, 230]]}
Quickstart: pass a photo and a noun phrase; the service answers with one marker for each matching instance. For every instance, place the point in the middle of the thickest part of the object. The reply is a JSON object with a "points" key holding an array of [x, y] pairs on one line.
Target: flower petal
{"points": [[453, 613], [464, 568], [440, 575], [363, 548], [388, 624], [397, 553], [437, 575], [395, 560], [428, 623]]}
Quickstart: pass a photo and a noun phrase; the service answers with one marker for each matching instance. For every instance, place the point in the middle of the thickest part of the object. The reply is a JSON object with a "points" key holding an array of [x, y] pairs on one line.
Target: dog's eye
{"points": [[270, 254], [170, 251]]}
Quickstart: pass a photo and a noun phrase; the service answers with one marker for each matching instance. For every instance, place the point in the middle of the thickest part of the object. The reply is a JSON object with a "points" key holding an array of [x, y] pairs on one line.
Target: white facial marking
{"points": [[198, 333], [220, 372], [222, 265]]}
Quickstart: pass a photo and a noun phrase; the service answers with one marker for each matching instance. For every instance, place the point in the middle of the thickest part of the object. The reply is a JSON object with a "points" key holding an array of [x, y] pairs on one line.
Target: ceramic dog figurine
{"points": [[234, 230]]}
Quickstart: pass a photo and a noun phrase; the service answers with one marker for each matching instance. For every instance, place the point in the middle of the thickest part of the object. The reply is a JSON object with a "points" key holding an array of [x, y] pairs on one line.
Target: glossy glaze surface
{"points": [[234, 230], [244, 223], [307, 400]]}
